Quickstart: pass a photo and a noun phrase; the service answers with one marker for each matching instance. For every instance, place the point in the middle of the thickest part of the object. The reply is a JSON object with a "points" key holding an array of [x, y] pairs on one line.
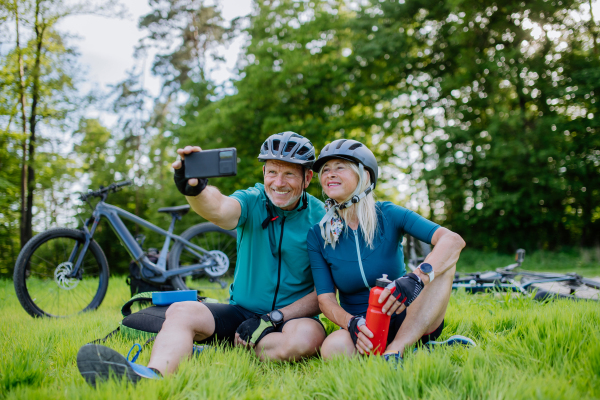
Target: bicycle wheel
{"points": [[563, 290], [41, 275], [220, 242]]}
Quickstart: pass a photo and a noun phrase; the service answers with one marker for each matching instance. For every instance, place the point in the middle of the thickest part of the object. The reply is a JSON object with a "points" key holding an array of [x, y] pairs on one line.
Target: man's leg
{"points": [[185, 322], [426, 313], [299, 338]]}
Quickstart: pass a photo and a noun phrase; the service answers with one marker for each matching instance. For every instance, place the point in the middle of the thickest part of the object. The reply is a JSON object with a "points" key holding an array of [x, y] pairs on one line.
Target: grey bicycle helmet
{"points": [[350, 150], [289, 147]]}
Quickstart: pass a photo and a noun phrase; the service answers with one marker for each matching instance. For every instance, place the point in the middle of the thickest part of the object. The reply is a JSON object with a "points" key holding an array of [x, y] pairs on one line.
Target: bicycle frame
{"points": [[113, 214], [493, 281]]}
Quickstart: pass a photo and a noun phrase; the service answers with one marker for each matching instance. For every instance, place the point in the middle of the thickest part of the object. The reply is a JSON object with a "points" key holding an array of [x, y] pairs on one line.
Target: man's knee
{"points": [[189, 315], [309, 338], [303, 339]]}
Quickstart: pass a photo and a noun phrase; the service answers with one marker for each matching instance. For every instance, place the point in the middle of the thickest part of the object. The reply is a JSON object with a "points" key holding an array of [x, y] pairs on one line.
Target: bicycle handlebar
{"points": [[124, 183], [113, 187]]}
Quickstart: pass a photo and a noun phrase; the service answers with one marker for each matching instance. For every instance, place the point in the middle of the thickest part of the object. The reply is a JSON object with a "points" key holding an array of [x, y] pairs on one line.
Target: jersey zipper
{"points": [[279, 267], [362, 272]]}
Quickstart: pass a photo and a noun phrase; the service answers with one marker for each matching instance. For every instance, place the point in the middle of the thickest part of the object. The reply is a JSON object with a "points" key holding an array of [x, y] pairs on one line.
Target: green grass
{"points": [[526, 350]]}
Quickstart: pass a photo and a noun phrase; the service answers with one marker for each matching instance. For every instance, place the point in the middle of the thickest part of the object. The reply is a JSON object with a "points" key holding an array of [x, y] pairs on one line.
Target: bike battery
{"points": [[175, 296]]}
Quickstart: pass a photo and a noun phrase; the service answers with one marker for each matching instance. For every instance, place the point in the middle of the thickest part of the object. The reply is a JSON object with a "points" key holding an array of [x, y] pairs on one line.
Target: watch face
{"points": [[426, 268], [276, 316]]}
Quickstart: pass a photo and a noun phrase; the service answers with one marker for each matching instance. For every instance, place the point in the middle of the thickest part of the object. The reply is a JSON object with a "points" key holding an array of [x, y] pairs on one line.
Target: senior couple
{"points": [[294, 253]]}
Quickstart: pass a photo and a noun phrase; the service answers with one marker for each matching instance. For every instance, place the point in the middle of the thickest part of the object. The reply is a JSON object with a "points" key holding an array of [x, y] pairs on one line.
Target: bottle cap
{"points": [[383, 281]]}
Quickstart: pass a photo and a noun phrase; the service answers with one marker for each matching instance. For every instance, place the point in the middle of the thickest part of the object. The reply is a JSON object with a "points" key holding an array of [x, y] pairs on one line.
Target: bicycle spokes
{"points": [[48, 277]]}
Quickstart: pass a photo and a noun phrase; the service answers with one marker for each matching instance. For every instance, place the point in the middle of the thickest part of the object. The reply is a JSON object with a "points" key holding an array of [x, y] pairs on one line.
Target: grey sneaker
{"points": [[98, 363]]}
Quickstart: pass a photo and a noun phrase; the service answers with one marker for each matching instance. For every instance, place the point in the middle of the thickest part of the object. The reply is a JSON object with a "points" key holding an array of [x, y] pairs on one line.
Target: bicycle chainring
{"points": [[61, 276], [220, 264]]}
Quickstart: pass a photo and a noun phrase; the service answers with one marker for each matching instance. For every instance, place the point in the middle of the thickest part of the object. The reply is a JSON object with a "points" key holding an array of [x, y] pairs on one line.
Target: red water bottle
{"points": [[377, 321]]}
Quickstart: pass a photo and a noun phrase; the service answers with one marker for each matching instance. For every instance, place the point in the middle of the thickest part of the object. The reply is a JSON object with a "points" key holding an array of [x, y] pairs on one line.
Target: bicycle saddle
{"points": [[177, 210]]}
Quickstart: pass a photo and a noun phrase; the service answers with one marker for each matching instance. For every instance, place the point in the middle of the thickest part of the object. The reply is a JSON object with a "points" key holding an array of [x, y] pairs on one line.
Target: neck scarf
{"points": [[331, 225]]}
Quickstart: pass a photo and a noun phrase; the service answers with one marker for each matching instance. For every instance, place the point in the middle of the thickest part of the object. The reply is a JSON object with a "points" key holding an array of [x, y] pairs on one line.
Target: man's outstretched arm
{"points": [[210, 203]]}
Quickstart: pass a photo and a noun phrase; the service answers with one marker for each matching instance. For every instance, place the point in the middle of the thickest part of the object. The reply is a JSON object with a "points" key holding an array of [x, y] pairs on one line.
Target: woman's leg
{"points": [[337, 343], [425, 314]]}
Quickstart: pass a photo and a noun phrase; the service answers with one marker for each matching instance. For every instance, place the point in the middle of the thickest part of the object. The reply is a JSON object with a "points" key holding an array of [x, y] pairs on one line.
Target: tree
{"points": [[42, 90], [294, 75], [501, 101]]}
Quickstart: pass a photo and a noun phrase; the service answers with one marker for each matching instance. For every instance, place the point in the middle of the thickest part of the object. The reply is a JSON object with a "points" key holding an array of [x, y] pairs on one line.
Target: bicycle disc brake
{"points": [[220, 264], [61, 276]]}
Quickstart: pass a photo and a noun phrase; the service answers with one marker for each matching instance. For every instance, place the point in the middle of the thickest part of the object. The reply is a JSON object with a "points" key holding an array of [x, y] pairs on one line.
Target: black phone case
{"points": [[211, 163]]}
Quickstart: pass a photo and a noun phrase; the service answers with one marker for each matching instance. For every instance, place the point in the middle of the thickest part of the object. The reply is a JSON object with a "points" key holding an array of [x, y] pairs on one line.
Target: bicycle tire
{"points": [[33, 286], [544, 293], [208, 236]]}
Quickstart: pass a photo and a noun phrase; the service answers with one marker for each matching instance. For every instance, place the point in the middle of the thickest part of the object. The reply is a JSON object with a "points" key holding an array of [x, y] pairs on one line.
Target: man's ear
{"points": [[308, 176], [263, 170]]}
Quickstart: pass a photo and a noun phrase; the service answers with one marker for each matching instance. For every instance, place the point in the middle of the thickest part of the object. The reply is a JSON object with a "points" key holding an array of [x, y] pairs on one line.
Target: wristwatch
{"points": [[428, 270], [276, 317]]}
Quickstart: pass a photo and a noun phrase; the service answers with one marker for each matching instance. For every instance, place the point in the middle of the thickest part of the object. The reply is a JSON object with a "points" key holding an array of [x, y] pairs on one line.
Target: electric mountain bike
{"points": [[62, 272], [541, 285]]}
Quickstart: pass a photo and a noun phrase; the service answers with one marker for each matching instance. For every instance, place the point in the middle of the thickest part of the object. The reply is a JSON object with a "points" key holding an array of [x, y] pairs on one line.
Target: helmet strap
{"points": [[304, 198], [270, 218], [355, 199]]}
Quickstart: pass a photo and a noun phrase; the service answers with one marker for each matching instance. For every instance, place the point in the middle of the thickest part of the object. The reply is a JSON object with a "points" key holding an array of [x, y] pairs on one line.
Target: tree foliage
{"points": [[489, 110], [505, 96], [483, 115]]}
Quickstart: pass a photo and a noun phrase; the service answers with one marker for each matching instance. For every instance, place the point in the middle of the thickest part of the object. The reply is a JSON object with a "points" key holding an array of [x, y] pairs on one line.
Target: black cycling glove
{"points": [[406, 289], [254, 329], [353, 325], [182, 182]]}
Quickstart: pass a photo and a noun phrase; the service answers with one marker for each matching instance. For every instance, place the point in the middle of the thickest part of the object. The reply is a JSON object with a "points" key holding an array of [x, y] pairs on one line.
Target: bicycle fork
{"points": [[88, 237]]}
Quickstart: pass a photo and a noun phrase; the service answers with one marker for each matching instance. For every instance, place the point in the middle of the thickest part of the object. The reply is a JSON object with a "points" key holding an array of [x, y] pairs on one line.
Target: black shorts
{"points": [[227, 319], [398, 319]]}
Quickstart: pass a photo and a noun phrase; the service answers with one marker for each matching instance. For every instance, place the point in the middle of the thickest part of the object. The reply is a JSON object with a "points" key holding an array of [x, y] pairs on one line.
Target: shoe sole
{"points": [[454, 340], [98, 363]]}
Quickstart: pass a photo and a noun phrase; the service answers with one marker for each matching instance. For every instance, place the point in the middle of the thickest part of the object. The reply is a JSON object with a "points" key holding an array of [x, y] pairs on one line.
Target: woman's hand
{"points": [[360, 334], [400, 293], [392, 305]]}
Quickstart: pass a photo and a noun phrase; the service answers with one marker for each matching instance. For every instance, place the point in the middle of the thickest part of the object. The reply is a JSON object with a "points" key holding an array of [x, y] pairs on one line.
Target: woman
{"points": [[358, 241]]}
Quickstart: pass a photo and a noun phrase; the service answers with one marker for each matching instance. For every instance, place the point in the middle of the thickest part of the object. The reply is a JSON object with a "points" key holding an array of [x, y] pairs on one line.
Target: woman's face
{"points": [[338, 180]]}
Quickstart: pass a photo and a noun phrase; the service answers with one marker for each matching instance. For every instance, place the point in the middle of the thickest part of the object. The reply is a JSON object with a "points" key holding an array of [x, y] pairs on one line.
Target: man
{"points": [[272, 299]]}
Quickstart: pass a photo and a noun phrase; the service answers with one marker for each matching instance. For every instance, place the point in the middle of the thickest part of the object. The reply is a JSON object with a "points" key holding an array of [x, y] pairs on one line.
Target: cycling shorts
{"points": [[229, 317], [396, 323]]}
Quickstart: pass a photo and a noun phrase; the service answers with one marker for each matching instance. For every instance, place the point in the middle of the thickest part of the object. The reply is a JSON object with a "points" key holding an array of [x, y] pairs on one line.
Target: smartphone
{"points": [[211, 163]]}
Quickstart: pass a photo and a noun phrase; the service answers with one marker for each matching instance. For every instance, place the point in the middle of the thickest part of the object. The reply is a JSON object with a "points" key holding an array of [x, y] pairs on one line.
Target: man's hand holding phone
{"points": [[196, 165], [187, 187]]}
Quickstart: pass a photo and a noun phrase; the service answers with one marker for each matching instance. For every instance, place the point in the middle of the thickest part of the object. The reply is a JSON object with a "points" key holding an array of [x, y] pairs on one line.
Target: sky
{"points": [[106, 45]]}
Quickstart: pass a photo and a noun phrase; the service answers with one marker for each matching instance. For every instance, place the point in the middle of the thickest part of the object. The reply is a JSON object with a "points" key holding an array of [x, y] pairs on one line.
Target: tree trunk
{"points": [[593, 29], [39, 38], [24, 238]]}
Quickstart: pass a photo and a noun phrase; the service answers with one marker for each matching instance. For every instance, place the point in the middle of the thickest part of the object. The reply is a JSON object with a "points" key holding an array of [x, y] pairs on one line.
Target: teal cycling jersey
{"points": [[273, 269], [339, 268]]}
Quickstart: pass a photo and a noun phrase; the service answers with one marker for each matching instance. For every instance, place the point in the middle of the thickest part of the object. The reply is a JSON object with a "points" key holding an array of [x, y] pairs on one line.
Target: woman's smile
{"points": [[339, 181]]}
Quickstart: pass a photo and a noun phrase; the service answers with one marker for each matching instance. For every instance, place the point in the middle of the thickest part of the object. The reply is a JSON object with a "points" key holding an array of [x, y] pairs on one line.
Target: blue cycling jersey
{"points": [[340, 267]]}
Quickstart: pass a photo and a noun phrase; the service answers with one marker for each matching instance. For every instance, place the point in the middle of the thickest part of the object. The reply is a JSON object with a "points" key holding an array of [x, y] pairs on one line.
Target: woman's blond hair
{"points": [[364, 209]]}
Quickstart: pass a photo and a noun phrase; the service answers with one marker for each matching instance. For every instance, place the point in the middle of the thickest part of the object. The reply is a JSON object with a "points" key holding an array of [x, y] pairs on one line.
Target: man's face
{"points": [[283, 183]]}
